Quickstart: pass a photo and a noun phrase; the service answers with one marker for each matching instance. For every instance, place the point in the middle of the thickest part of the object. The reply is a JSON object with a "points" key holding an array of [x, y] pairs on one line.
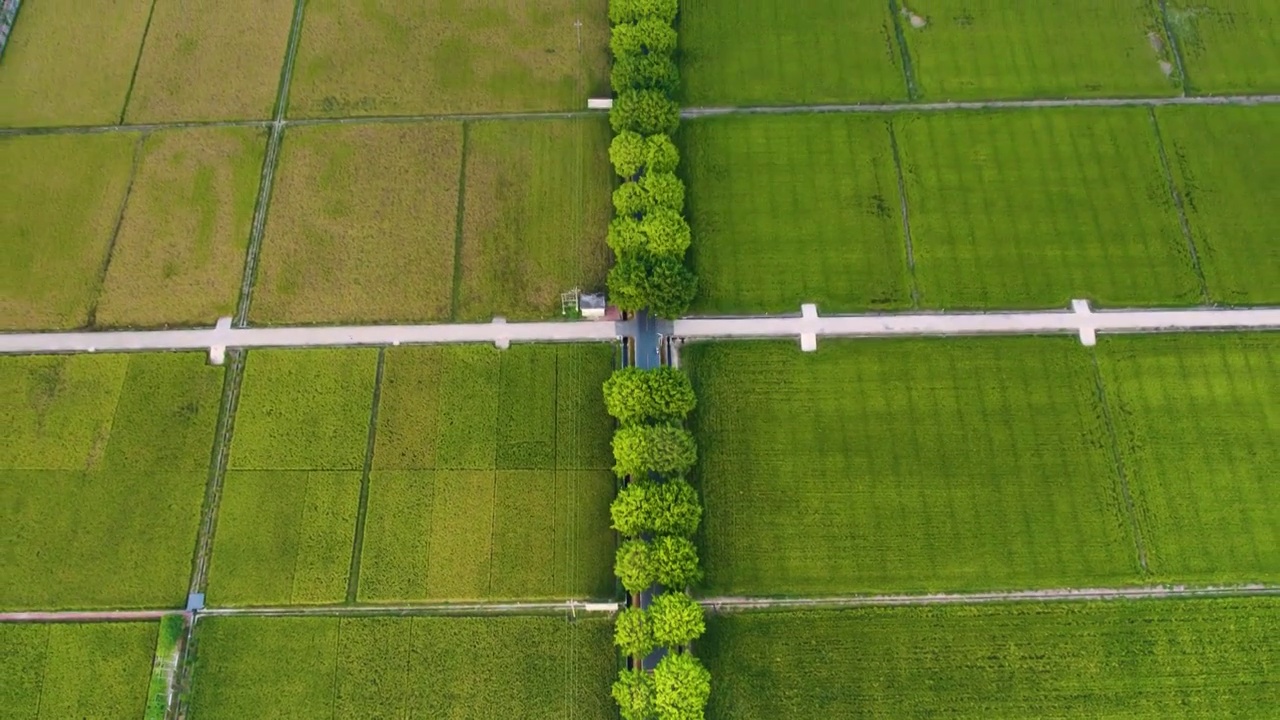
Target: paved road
{"points": [[224, 336], [1080, 320], [1135, 593], [697, 112]]}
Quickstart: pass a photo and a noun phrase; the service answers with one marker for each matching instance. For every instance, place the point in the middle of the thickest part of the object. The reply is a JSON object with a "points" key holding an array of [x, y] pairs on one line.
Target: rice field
{"points": [[64, 65], [179, 251], [211, 60], [96, 670], [821, 51], [446, 56], [1229, 46], [1227, 187], [793, 209], [528, 667], [998, 49], [1144, 659], [64, 194], [96, 512]]}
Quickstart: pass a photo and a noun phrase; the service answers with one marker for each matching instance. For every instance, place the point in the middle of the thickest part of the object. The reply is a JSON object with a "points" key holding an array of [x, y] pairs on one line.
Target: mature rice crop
{"points": [[772, 52], [1034, 208], [527, 667], [1228, 191], [793, 209], [96, 670], [68, 66], [178, 255], [536, 208], [284, 537], [304, 410], [449, 56], [1150, 659], [362, 224], [63, 194], [905, 465], [211, 60], [1196, 419], [98, 512], [988, 49], [1228, 45]]}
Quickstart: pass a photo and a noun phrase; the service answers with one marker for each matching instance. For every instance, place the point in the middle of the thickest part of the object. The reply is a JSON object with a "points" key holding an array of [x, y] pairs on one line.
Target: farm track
{"points": [[697, 112], [445, 609]]}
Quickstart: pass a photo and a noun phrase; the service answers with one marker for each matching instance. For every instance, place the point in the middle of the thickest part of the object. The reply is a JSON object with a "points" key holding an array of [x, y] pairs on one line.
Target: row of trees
{"points": [[649, 235], [658, 512]]}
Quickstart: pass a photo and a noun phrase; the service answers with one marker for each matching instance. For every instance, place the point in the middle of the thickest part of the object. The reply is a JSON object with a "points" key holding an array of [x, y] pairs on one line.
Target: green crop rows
{"points": [[527, 667], [94, 670], [1146, 659], [950, 464], [96, 512]]}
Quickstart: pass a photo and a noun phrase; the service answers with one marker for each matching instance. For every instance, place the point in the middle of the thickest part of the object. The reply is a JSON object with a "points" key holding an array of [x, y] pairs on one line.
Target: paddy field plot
{"points": [[1029, 209], [527, 667], [96, 670], [64, 194], [535, 211], [102, 474], [444, 56], [794, 209], [905, 466], [210, 60], [1221, 164], [774, 52], [1229, 46], [65, 65], [999, 49], [1197, 417], [361, 226], [490, 475], [1144, 659], [178, 254]]}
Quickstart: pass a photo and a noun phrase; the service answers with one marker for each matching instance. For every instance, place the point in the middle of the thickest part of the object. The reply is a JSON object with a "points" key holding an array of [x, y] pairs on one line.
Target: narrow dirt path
{"points": [[697, 112]]}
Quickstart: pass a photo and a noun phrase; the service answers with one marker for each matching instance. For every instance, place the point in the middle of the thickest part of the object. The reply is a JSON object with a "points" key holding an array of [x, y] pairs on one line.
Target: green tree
{"points": [[661, 154], [631, 200], [628, 11], [630, 510], [666, 232], [672, 508], [673, 560], [644, 111], [647, 37], [663, 190], [669, 287], [630, 154], [641, 449], [633, 631], [633, 691], [626, 236], [675, 620], [654, 71], [681, 687], [633, 565], [628, 279], [661, 395]]}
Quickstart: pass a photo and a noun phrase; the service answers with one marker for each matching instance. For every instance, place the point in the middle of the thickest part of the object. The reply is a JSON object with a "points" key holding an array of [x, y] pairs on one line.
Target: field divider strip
{"points": [[137, 63], [747, 603], [357, 546], [92, 317], [697, 112], [220, 456], [128, 128], [908, 70], [1178, 203], [459, 223], [1184, 81], [906, 215], [1117, 457]]}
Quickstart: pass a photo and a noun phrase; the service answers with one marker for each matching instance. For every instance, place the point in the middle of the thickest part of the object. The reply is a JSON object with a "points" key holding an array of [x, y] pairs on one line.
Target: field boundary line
{"points": [[1179, 206], [362, 509], [92, 317], [221, 454], [459, 222], [907, 107], [747, 603], [908, 70], [906, 215], [137, 63], [1184, 80], [1117, 460]]}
